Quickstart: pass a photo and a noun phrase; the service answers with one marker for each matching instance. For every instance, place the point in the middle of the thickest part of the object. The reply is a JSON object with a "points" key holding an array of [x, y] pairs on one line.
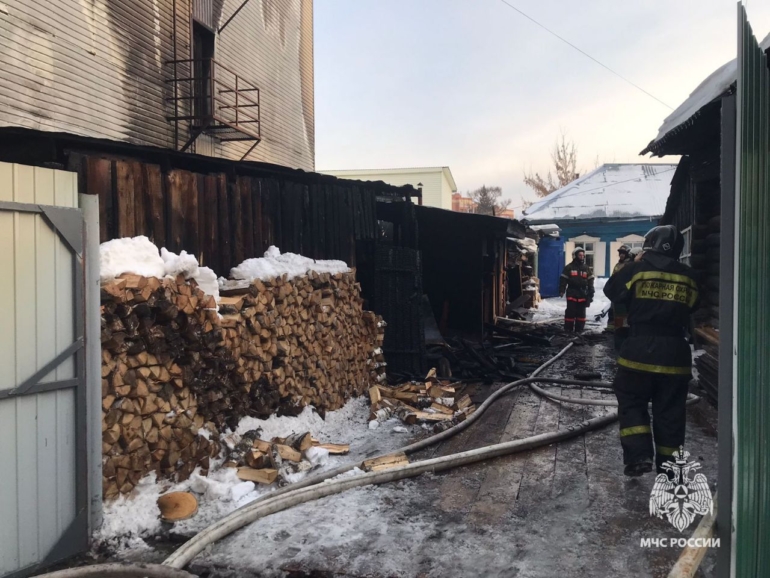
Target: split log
{"points": [[385, 463], [263, 476]]}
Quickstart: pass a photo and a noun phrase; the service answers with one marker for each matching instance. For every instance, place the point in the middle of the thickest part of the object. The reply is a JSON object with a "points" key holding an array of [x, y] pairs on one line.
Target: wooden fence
{"points": [[224, 218]]}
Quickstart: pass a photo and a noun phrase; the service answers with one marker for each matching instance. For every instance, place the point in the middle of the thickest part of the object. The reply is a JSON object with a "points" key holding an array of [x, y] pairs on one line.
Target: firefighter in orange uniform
{"points": [[577, 281]]}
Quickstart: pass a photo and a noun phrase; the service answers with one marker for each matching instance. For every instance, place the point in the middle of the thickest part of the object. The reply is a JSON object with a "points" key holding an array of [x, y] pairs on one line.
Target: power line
{"points": [[584, 53]]}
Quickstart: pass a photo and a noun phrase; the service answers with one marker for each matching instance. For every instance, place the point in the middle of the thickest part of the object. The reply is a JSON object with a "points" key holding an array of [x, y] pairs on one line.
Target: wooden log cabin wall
{"points": [[694, 208]]}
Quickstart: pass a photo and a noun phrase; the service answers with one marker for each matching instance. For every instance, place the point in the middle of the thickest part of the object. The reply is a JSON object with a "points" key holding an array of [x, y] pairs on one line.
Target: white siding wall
{"points": [[446, 192], [96, 68]]}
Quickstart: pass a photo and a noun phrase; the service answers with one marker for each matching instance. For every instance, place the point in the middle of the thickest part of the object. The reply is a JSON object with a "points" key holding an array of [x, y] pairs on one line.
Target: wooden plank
{"points": [[126, 203], [154, 204], [210, 206], [236, 223], [278, 215], [200, 180], [224, 233], [541, 463], [307, 223], [256, 219], [499, 490], [175, 210], [350, 225], [141, 220], [99, 182], [247, 216], [190, 198]]}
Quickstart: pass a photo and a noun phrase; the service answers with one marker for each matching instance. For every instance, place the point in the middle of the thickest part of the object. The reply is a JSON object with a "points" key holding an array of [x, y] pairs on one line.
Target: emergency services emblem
{"points": [[681, 494]]}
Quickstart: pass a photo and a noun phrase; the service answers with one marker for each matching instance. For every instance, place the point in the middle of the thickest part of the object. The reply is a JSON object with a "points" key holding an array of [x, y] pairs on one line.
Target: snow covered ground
{"points": [[130, 521], [553, 308]]}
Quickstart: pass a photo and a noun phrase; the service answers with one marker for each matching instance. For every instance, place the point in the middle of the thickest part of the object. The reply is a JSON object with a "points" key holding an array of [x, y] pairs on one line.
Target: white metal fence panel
{"points": [[40, 500]]}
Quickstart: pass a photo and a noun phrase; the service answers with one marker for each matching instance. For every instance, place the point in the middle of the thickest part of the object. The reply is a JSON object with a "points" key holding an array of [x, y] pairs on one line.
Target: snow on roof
{"points": [[612, 191], [715, 85]]}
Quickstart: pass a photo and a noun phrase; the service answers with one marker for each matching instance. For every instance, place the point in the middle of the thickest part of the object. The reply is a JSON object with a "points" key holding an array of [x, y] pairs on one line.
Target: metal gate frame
{"points": [[68, 224]]}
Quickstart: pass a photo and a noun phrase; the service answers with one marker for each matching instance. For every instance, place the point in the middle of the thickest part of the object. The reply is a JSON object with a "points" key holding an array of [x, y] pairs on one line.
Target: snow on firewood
{"points": [[274, 264], [140, 256]]}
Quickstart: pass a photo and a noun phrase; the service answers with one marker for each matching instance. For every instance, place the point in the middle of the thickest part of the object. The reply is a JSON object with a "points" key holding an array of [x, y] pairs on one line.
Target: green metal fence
{"points": [[752, 330]]}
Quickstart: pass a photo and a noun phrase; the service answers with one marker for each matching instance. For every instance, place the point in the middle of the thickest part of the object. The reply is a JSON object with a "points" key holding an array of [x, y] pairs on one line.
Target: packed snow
{"points": [[136, 255], [611, 191], [274, 264], [130, 520], [140, 256], [715, 85]]}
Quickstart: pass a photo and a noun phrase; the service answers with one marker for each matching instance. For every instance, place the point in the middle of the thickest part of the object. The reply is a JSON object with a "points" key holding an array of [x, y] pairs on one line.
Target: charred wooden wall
{"points": [[98, 68], [223, 218], [224, 212], [695, 203], [464, 267]]}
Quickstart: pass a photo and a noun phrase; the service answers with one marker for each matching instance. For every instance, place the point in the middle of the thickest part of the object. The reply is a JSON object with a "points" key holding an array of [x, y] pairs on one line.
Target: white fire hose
{"points": [[322, 485]]}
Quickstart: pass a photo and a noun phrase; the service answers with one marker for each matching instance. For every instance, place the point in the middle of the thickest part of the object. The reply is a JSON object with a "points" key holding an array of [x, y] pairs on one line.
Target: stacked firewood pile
{"points": [[157, 346], [171, 364], [432, 401], [302, 342]]}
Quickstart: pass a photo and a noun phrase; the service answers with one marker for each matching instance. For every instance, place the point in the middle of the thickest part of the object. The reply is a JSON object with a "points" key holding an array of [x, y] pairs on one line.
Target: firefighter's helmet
{"points": [[578, 250], [624, 249], [665, 239]]}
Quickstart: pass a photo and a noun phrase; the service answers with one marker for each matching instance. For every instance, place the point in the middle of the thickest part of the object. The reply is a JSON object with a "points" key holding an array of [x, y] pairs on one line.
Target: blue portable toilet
{"points": [[550, 262]]}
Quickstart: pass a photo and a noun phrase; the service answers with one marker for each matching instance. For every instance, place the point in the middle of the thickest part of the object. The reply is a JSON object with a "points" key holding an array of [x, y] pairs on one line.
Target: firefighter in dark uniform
{"points": [[618, 310], [654, 364], [577, 280]]}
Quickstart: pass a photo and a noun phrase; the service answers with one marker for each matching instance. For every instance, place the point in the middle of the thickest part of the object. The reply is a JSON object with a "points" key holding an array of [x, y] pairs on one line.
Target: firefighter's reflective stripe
{"points": [[661, 275], [673, 292], [650, 368], [664, 451], [565, 276], [635, 430]]}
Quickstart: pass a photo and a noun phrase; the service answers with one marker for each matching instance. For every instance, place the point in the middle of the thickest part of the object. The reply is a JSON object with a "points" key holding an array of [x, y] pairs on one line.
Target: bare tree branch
{"points": [[488, 200], [564, 158]]}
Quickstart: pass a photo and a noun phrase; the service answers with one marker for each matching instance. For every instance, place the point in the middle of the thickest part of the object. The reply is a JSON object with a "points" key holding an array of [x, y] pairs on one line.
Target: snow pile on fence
{"points": [[171, 362]]}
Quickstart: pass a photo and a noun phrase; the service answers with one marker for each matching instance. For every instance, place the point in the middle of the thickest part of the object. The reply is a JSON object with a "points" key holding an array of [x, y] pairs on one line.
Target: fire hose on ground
{"points": [[323, 484]]}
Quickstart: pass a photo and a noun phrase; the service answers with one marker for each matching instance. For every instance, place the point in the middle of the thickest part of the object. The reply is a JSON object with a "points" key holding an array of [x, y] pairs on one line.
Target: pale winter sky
{"points": [[474, 85]]}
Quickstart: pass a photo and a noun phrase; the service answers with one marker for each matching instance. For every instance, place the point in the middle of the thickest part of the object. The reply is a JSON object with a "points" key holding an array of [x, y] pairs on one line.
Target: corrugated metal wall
{"points": [[96, 68], [37, 431], [752, 315]]}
